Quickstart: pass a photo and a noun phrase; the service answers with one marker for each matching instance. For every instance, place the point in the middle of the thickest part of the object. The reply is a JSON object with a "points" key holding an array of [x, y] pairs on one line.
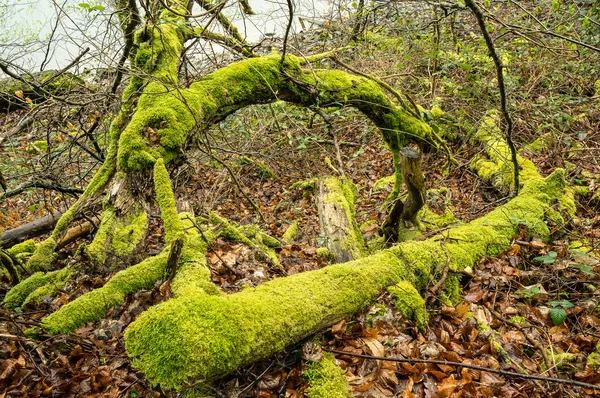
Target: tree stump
{"points": [[404, 214], [335, 203]]}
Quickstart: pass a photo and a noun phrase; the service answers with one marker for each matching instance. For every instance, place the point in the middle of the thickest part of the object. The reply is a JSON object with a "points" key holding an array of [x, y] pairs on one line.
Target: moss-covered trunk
{"points": [[335, 203], [202, 337]]}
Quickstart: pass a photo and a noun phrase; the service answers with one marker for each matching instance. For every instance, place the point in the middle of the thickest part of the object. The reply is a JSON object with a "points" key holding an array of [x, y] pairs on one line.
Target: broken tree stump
{"points": [[403, 215], [335, 203]]}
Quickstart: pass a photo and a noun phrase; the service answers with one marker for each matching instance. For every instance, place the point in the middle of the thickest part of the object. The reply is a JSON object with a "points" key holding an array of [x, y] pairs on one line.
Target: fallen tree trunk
{"points": [[202, 337], [335, 203], [30, 230]]}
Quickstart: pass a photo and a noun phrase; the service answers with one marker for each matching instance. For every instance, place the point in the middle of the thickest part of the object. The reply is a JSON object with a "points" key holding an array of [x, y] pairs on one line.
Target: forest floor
{"points": [[509, 295], [503, 321]]}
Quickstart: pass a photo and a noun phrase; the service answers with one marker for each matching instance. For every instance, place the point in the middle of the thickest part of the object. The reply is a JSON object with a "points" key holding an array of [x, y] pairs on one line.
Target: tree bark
{"points": [[335, 203], [30, 230], [403, 214]]}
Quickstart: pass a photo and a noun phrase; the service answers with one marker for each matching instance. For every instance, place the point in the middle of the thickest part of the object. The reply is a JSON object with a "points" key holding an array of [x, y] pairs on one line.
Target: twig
{"points": [[208, 244], [287, 30], [336, 144], [469, 366], [530, 339], [501, 87]]}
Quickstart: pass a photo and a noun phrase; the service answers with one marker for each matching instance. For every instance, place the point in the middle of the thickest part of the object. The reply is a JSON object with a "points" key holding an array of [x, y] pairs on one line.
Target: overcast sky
{"points": [[31, 22]]}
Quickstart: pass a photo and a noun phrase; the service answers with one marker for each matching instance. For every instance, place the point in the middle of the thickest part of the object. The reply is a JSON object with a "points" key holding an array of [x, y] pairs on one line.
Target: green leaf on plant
{"points": [[529, 291], [578, 252], [558, 316], [550, 258], [586, 269], [561, 303]]}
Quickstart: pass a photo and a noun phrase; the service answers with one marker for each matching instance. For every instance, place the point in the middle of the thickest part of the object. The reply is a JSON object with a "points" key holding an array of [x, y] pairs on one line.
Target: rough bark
{"points": [[30, 230], [335, 203], [402, 215]]}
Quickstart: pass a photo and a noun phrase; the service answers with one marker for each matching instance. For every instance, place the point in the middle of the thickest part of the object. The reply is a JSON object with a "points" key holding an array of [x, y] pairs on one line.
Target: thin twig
{"points": [[530, 339], [469, 366], [287, 30], [501, 87]]}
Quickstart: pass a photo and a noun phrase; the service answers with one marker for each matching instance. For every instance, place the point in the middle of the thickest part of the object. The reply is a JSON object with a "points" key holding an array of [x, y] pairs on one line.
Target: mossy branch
{"points": [[222, 333]]}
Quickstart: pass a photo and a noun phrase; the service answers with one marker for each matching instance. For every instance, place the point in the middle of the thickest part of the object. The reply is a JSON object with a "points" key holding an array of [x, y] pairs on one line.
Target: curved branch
{"points": [[501, 86]]}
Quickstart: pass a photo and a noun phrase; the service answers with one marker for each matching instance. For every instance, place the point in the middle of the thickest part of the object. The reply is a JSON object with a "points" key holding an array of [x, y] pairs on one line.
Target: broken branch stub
{"points": [[335, 203], [403, 214], [410, 163]]}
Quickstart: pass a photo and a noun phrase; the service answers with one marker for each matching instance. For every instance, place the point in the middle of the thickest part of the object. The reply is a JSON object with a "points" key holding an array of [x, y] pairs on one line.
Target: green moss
{"points": [[453, 289], [264, 170], [581, 190], [308, 186], [290, 233], [561, 360], [326, 379], [250, 231], [343, 193], [37, 146], [324, 253], [166, 201], [203, 336], [253, 232], [20, 293], [26, 247], [498, 169], [384, 183], [409, 302], [597, 87], [593, 359], [55, 282], [543, 142], [94, 304], [430, 220], [97, 249], [193, 276], [268, 240], [127, 234], [231, 232], [43, 257], [518, 319]]}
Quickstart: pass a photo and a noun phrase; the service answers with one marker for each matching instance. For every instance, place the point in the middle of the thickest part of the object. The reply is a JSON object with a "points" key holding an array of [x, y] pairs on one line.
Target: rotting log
{"points": [[30, 230], [201, 337], [335, 202], [403, 215]]}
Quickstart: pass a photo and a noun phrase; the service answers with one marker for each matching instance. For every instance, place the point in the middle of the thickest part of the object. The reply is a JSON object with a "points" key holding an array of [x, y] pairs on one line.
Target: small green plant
{"points": [[529, 291], [586, 269], [549, 258], [558, 314]]}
